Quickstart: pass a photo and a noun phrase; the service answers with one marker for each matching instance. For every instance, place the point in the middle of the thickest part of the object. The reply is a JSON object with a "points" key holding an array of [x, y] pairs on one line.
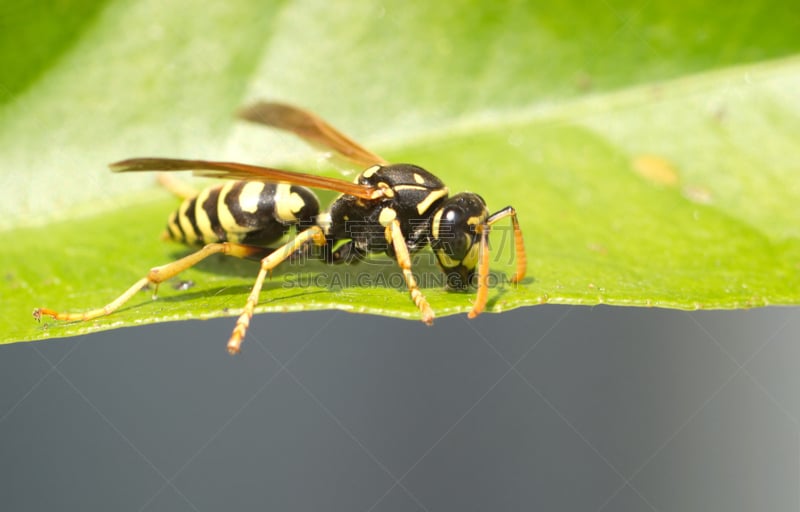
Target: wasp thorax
{"points": [[410, 197], [395, 175], [413, 190], [455, 237]]}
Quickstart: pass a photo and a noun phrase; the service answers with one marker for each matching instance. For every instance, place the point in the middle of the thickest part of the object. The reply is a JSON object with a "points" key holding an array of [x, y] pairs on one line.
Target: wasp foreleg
{"points": [[483, 258]]}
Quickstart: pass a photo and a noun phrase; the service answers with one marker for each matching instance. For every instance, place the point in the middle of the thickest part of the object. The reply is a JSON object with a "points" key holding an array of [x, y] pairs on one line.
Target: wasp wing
{"points": [[237, 171], [311, 128]]}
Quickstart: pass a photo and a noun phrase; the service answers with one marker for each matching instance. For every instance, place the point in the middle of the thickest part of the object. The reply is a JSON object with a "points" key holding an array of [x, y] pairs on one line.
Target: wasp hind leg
{"points": [[275, 258], [176, 187], [156, 276]]}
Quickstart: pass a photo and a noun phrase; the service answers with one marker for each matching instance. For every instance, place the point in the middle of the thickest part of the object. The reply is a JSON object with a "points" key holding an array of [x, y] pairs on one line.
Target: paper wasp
{"points": [[397, 209]]}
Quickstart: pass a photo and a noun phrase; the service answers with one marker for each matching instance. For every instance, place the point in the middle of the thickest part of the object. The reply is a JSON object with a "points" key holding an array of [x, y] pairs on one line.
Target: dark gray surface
{"points": [[546, 408]]}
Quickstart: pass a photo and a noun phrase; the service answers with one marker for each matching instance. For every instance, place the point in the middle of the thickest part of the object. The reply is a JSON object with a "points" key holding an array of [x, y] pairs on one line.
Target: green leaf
{"points": [[651, 151]]}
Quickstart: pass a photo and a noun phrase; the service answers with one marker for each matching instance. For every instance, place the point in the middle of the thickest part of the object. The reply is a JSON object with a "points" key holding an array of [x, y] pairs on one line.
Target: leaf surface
{"points": [[651, 151]]}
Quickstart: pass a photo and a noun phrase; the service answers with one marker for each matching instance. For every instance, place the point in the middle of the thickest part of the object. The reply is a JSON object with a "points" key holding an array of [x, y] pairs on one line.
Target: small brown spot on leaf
{"points": [[656, 170], [584, 81], [697, 194], [598, 248]]}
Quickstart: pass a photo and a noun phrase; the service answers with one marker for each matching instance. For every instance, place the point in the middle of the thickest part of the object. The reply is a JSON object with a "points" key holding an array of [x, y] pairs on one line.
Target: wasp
{"points": [[396, 209]]}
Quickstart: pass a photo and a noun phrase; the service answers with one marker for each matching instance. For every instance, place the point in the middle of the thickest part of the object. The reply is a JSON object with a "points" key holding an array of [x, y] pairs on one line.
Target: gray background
{"points": [[549, 408]]}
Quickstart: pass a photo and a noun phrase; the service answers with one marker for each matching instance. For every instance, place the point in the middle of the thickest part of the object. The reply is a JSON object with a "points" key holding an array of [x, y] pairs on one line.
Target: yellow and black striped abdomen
{"points": [[247, 212]]}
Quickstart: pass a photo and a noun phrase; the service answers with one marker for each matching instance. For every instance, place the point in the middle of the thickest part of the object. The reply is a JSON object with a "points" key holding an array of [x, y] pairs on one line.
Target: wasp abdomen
{"points": [[247, 212]]}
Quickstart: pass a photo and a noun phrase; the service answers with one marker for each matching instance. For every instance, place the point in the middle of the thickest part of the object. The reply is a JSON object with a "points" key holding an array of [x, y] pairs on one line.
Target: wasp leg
{"points": [[156, 276], [313, 234], [395, 237], [483, 259], [483, 273], [175, 186]]}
